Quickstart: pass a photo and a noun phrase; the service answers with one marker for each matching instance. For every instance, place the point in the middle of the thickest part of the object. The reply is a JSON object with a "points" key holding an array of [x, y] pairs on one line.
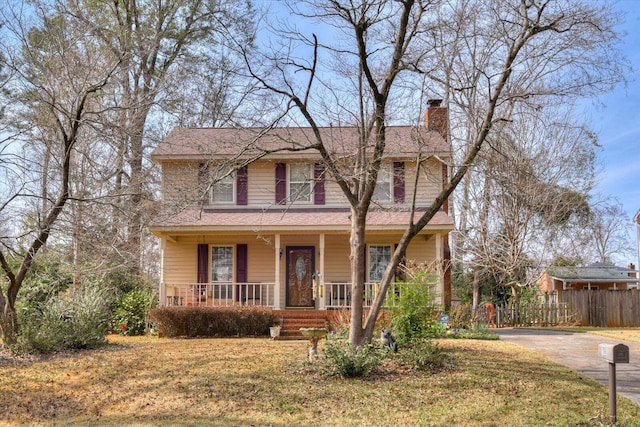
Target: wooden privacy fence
{"points": [[533, 314], [611, 309]]}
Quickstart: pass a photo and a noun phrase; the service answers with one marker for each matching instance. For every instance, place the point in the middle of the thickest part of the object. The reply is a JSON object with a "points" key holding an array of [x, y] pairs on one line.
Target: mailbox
{"points": [[614, 353]]}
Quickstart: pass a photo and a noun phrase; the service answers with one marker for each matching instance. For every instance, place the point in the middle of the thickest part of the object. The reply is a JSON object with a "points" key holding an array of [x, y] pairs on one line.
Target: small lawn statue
{"points": [[388, 341]]}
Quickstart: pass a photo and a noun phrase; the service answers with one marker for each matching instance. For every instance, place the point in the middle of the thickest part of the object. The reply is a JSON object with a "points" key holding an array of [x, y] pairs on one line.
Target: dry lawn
{"points": [[259, 382], [629, 334]]}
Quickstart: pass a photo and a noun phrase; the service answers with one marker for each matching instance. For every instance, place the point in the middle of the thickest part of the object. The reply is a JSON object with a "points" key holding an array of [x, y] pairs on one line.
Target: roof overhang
{"points": [[587, 280], [303, 221]]}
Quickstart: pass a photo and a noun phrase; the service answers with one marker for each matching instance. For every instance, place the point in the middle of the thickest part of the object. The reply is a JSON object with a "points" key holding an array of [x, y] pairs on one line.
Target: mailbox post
{"points": [[613, 353]]}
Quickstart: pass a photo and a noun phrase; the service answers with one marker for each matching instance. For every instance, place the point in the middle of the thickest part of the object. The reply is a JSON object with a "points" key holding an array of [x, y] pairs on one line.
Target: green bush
{"points": [[47, 278], [413, 311], [212, 321], [76, 319], [132, 312], [340, 358]]}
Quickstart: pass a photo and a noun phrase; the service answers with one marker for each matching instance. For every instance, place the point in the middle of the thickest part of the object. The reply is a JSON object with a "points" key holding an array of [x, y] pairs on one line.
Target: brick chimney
{"points": [[632, 267], [436, 117]]}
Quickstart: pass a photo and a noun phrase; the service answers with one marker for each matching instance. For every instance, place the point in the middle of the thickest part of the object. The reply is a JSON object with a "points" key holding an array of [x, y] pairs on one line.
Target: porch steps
{"points": [[293, 320]]}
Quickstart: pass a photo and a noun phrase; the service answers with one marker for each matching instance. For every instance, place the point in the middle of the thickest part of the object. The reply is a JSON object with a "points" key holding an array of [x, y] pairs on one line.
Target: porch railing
{"points": [[338, 294], [220, 294]]}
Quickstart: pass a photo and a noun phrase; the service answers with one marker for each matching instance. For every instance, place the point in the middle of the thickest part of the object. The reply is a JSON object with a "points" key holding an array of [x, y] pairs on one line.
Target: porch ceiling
{"points": [[288, 221]]}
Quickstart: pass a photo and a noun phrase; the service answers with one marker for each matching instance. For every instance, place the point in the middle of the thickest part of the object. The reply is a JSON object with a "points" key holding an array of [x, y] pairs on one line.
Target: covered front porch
{"points": [[302, 269]]}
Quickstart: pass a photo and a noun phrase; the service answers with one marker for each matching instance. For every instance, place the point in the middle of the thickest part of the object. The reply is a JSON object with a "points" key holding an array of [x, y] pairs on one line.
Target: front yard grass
{"points": [[149, 381]]}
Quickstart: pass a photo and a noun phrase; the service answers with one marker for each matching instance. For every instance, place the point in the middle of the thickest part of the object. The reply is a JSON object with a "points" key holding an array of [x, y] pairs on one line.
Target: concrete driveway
{"points": [[579, 351]]}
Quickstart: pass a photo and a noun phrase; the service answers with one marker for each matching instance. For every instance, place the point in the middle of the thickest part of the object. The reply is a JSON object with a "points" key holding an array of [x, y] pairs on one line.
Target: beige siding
{"points": [[180, 262], [337, 266], [429, 181], [261, 261], [262, 183], [180, 183]]}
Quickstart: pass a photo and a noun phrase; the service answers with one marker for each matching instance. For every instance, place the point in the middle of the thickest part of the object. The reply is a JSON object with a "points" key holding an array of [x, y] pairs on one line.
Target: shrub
{"points": [[422, 354], [460, 316], [74, 320], [339, 321], [212, 321], [413, 311], [340, 358], [477, 331], [132, 312]]}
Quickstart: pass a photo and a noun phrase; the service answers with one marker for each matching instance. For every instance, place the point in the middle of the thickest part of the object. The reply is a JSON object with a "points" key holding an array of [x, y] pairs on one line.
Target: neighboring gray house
{"points": [[596, 276]]}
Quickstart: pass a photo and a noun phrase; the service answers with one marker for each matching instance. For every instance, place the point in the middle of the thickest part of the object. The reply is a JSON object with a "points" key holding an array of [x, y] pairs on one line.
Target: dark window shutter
{"points": [[241, 263], [203, 263], [241, 269], [318, 186], [281, 183], [398, 182], [242, 189]]}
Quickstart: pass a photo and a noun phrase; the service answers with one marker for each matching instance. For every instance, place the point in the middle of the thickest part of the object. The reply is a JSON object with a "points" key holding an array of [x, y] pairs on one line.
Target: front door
{"points": [[300, 267]]}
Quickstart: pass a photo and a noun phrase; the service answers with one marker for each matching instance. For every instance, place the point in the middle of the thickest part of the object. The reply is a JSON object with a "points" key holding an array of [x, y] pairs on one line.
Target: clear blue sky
{"points": [[617, 124]]}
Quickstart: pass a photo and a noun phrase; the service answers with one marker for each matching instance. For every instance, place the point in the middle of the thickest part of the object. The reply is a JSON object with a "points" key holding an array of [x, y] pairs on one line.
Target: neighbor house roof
{"points": [[196, 143], [335, 220], [593, 273]]}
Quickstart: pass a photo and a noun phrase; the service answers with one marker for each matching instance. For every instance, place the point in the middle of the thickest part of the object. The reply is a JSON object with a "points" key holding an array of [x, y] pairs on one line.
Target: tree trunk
{"points": [[9, 324], [476, 292], [358, 263]]}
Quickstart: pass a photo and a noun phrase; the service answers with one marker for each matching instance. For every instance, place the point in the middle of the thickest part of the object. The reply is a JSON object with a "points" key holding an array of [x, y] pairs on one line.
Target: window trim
{"points": [[217, 291], [232, 255], [390, 187], [309, 182], [232, 177]]}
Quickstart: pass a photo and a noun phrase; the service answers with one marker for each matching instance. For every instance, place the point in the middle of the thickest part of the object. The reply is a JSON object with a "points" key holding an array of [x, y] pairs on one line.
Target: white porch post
{"points": [[322, 304], [276, 290], [162, 285], [439, 259]]}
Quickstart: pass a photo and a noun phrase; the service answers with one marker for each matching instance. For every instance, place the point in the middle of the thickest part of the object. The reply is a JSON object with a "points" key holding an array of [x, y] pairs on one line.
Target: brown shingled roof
{"points": [[206, 142], [319, 220]]}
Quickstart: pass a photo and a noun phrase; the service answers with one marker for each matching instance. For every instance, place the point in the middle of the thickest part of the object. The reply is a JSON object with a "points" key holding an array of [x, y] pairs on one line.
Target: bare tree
{"points": [[607, 232], [54, 86], [159, 44], [378, 57], [527, 197]]}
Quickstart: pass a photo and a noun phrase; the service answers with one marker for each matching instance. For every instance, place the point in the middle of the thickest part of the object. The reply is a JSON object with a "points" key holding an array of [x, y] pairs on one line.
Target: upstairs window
{"points": [[300, 182], [223, 184], [223, 189], [383, 190]]}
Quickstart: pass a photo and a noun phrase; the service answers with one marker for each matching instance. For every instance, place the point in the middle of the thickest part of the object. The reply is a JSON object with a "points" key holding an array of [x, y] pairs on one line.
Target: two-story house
{"points": [[239, 226]]}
